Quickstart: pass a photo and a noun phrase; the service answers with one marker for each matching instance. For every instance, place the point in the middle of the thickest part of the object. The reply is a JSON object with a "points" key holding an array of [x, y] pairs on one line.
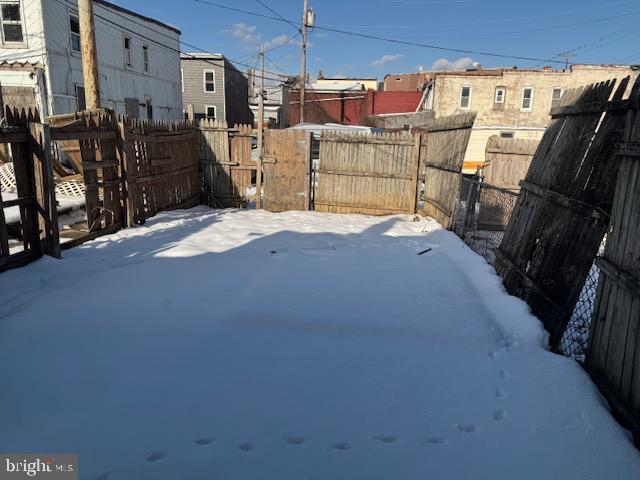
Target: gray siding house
{"points": [[212, 87]]}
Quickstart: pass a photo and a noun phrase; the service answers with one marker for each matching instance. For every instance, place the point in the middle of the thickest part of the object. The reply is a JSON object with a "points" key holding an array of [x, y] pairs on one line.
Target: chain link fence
{"points": [[480, 220]]}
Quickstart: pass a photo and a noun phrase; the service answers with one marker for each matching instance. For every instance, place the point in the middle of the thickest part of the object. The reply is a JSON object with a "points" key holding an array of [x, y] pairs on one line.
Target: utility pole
{"points": [[303, 68], [89, 54], [260, 133]]}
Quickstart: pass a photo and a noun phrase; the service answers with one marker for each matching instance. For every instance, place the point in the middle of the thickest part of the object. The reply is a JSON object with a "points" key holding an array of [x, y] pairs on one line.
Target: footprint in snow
{"points": [[386, 438], [247, 447], [203, 441], [437, 440], [294, 440], [499, 416], [500, 393], [343, 446], [156, 456], [470, 428], [504, 375]]}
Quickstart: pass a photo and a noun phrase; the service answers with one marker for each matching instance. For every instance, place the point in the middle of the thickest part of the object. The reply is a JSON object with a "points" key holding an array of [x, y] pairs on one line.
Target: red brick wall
{"points": [[392, 102]]}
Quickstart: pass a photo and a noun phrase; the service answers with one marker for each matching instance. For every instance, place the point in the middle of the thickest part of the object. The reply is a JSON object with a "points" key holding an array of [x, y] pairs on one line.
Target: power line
{"points": [[391, 40], [110, 22], [296, 27]]}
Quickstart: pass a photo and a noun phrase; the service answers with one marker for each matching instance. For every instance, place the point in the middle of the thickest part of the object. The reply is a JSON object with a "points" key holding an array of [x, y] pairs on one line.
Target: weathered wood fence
{"points": [[226, 162], [37, 228], [563, 208], [614, 349], [368, 174], [443, 147], [507, 161]]}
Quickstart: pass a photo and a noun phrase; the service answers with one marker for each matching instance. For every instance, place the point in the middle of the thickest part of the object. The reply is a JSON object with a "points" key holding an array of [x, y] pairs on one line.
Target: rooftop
{"points": [[118, 8]]}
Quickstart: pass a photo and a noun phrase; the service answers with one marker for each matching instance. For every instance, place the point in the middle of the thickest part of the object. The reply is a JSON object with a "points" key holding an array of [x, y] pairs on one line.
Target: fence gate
{"points": [[367, 174], [441, 159], [287, 170]]}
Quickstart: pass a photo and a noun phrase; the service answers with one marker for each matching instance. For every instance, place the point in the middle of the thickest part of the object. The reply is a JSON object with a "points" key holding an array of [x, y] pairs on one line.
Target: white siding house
{"points": [[138, 58]]}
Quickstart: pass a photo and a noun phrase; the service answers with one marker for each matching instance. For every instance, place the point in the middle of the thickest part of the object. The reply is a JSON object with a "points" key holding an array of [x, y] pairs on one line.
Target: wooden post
{"points": [[89, 54], [303, 68], [40, 153], [129, 190], [260, 135]]}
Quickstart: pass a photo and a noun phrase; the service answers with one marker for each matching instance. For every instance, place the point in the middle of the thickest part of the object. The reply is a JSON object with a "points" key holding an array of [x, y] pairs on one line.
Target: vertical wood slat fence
{"points": [[372, 174], [38, 225], [443, 147], [507, 161], [614, 348], [226, 163], [562, 211]]}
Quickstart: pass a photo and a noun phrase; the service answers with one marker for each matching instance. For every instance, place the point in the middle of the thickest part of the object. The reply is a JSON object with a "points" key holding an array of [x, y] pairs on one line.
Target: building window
{"points": [[74, 28], [11, 22], [527, 99], [507, 134], [209, 78], [556, 95], [145, 58], [81, 103], [149, 108], [501, 93], [127, 51], [211, 112], [465, 97]]}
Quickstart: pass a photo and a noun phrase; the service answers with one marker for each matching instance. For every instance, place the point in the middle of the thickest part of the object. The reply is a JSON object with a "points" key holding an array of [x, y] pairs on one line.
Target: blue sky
{"points": [[594, 32]]}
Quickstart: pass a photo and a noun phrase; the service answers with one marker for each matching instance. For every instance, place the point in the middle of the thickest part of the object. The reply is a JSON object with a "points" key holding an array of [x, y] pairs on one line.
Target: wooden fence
{"points": [[226, 163], [563, 208], [368, 174], [507, 161], [441, 157], [614, 350], [37, 228], [287, 170]]}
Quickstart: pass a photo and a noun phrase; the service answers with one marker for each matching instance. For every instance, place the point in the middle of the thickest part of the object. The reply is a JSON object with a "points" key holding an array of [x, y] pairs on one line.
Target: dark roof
{"points": [[142, 17]]}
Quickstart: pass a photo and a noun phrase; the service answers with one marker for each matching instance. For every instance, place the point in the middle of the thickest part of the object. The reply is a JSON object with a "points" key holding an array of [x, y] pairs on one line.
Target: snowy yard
{"points": [[250, 345]]}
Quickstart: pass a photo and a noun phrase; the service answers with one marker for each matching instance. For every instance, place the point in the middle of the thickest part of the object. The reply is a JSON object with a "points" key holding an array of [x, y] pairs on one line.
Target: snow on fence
{"points": [[36, 231], [226, 162]]}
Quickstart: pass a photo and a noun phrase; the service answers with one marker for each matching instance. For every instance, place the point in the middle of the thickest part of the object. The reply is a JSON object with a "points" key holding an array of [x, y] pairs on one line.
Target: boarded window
{"points": [[209, 81], [81, 103], [74, 28], [132, 107], [465, 97], [11, 22]]}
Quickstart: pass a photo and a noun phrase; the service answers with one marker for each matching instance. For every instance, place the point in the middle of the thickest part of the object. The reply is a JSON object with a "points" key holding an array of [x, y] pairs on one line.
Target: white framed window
{"points": [[210, 112], [527, 99], [209, 81], [145, 58], [74, 30], [11, 19], [127, 51], [500, 95], [556, 95], [465, 98]]}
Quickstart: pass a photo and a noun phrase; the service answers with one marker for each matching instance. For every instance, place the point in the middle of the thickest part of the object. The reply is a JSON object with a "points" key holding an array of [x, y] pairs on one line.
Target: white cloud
{"points": [[246, 34], [460, 64], [386, 59]]}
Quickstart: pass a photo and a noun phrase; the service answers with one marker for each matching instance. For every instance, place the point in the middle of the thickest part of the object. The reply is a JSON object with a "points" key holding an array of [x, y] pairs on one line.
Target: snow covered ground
{"points": [[247, 345]]}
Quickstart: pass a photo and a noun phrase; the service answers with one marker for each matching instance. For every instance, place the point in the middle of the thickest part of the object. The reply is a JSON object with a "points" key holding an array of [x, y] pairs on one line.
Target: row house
{"points": [[41, 60]]}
